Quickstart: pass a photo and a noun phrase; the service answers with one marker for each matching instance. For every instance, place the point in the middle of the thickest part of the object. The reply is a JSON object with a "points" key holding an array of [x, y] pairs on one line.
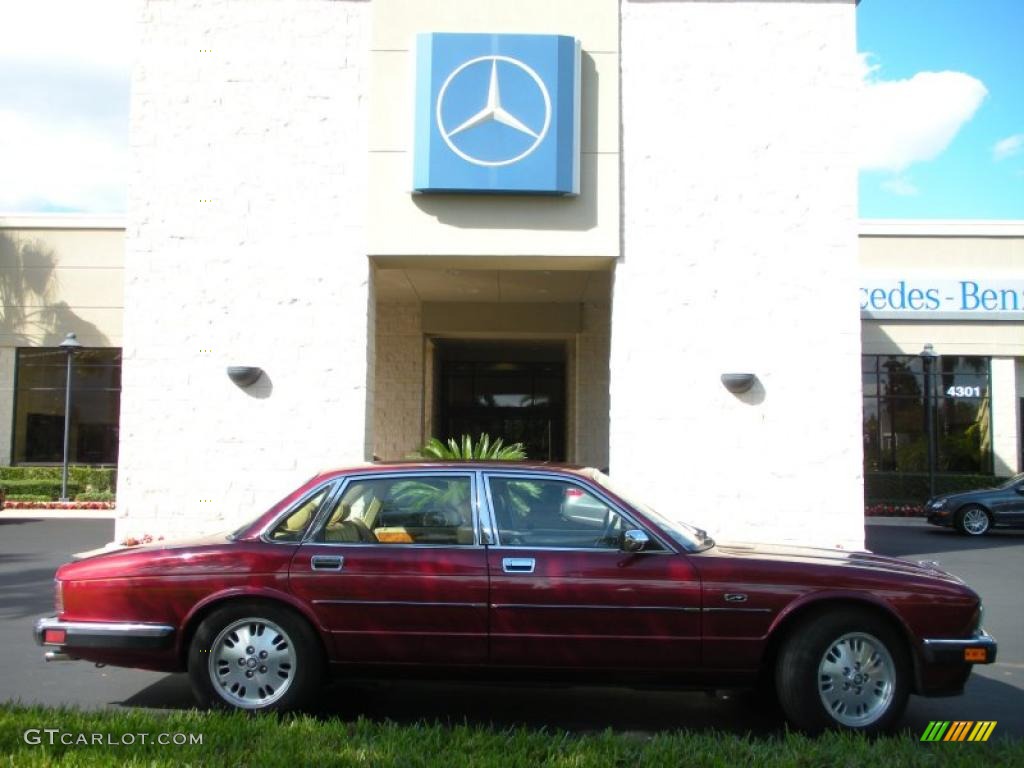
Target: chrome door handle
{"points": [[518, 564], [326, 562]]}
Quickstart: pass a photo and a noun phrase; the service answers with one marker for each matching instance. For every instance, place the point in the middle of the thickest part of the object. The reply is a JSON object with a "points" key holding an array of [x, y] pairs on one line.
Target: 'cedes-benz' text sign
{"points": [[497, 114], [979, 298]]}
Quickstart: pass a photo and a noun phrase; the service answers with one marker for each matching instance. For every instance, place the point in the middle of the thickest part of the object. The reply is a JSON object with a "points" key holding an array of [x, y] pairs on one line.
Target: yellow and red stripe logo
{"points": [[958, 730]]}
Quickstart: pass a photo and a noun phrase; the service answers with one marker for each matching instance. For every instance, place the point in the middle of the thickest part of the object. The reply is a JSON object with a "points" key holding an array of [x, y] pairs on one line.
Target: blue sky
{"points": [[914, 172], [941, 115]]}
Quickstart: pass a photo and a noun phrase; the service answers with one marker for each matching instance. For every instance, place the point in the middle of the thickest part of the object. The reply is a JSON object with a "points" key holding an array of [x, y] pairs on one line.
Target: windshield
{"points": [[688, 537], [1013, 481]]}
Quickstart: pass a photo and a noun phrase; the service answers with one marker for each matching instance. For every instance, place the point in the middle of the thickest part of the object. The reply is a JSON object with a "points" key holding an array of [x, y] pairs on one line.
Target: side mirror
{"points": [[634, 540]]}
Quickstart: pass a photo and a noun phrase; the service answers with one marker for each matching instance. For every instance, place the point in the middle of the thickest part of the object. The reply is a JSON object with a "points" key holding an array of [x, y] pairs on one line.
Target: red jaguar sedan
{"points": [[531, 570]]}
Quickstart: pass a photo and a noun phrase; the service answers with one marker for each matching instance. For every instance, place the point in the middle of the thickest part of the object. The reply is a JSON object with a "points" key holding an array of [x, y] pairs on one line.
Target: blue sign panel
{"points": [[497, 113]]}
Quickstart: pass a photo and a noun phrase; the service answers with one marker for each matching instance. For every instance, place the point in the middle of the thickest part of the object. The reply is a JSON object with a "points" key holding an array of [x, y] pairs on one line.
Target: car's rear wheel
{"points": [[844, 669], [254, 656], [973, 521]]}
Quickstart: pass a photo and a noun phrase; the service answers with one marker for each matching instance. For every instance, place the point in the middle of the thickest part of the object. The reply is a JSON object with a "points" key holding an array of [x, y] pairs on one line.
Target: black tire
{"points": [[827, 642], [973, 520], [279, 653]]}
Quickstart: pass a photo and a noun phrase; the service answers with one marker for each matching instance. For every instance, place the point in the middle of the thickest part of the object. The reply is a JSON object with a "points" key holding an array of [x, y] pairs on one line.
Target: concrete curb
{"points": [[908, 521], [58, 514]]}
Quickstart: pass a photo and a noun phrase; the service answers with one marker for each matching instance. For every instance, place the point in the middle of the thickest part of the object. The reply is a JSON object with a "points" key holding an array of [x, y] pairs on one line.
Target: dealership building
{"points": [[622, 233]]}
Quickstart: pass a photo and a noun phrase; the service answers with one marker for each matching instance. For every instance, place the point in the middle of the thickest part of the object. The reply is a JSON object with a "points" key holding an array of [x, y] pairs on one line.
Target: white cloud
{"points": [[1008, 147], [903, 122], [900, 185], [64, 80], [53, 166], [98, 35]]}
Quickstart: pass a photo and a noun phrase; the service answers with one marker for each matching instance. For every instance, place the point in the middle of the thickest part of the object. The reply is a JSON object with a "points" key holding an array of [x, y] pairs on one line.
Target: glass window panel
{"points": [[960, 387], [869, 383], [903, 443], [957, 386], [898, 378], [504, 391], [407, 510], [460, 390], [294, 526], [964, 436], [964, 364], [40, 400], [553, 513], [872, 446]]}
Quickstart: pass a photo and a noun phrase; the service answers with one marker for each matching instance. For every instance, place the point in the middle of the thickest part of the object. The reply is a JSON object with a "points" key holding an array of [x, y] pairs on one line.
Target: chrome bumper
{"points": [[982, 646], [96, 634]]}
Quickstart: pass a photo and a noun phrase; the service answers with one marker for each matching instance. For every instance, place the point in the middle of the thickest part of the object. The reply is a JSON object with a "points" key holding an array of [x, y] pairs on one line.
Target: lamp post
{"points": [[928, 356], [71, 347]]}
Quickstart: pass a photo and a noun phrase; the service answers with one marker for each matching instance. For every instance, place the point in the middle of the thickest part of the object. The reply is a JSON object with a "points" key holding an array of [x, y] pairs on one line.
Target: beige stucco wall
{"points": [[399, 396], [590, 374], [58, 274], [404, 366], [472, 225]]}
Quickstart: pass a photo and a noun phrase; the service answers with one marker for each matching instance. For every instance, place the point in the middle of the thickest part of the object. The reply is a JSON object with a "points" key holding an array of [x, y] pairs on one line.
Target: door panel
{"points": [[594, 609], [399, 604], [395, 574], [583, 603]]}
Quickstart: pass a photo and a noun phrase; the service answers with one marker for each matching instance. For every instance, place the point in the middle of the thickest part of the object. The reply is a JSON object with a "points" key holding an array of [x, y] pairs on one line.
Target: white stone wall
{"points": [[739, 255], [245, 246], [398, 423]]}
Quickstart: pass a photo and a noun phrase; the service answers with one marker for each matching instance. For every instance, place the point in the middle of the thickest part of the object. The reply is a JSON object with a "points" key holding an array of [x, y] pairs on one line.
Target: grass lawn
{"points": [[240, 740]]}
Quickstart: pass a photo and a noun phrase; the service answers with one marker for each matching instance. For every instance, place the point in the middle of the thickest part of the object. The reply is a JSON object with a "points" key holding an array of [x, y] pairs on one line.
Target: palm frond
{"points": [[484, 448]]}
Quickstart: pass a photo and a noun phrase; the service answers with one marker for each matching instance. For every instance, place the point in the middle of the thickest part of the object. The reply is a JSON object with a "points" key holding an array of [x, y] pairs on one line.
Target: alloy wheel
{"points": [[856, 679], [975, 521], [252, 663]]}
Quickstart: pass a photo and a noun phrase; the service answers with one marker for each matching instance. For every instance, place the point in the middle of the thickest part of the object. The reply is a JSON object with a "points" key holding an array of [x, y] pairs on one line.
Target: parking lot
{"points": [[31, 550]]}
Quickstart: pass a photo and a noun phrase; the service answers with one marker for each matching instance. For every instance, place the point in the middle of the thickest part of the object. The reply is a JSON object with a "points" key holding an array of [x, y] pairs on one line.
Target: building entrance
{"points": [[513, 390]]}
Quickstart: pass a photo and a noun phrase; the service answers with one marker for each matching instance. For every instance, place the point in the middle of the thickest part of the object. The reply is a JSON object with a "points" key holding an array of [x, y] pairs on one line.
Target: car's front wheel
{"points": [[844, 669], [254, 656], [973, 521]]}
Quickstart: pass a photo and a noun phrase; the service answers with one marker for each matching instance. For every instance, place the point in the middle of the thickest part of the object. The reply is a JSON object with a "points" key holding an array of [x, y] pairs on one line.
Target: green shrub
{"points": [[50, 489], [912, 487], [28, 497], [86, 478], [95, 496]]}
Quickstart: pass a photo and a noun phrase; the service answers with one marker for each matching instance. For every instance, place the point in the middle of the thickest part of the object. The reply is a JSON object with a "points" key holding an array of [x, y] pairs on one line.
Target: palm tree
{"points": [[465, 448]]}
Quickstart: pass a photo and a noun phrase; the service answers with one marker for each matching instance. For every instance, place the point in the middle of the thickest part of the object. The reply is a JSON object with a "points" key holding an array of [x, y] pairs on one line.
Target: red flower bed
{"points": [[131, 541], [58, 505], [893, 510]]}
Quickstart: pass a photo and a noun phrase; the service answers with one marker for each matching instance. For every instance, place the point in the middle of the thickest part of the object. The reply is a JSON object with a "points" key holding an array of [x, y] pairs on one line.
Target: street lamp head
{"points": [[929, 353], [71, 344]]}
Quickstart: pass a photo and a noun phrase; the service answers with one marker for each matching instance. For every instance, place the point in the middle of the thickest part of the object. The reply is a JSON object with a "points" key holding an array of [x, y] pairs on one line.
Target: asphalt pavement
{"points": [[31, 550]]}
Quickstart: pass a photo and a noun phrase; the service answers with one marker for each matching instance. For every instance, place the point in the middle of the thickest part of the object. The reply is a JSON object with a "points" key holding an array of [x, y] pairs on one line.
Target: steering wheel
{"points": [[610, 521]]}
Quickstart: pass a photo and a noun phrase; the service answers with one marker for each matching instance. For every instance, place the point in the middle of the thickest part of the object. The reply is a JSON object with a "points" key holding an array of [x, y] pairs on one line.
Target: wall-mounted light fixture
{"points": [[244, 375], [738, 383]]}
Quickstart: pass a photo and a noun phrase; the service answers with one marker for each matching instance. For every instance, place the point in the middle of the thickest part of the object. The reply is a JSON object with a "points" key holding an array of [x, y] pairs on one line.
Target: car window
{"points": [[293, 527], [419, 509], [554, 513]]}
